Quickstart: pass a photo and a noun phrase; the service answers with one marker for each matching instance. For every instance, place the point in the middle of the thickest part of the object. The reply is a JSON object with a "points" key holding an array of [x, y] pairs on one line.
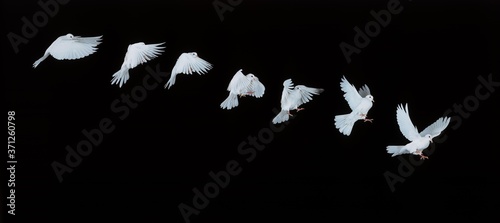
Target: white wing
{"points": [[436, 128], [351, 95], [189, 63], [364, 91], [405, 124], [239, 83], [139, 53], [257, 88], [74, 48], [303, 94], [287, 89]]}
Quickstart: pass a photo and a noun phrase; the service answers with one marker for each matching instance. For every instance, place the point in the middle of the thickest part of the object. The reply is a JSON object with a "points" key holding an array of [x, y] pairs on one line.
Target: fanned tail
{"points": [[344, 123], [230, 102], [395, 150], [283, 116]]}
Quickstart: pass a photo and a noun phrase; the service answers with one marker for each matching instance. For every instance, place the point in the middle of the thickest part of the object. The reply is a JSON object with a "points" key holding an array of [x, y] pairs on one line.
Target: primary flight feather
{"points": [[70, 47], [293, 97], [418, 140], [360, 103], [242, 85], [137, 53]]}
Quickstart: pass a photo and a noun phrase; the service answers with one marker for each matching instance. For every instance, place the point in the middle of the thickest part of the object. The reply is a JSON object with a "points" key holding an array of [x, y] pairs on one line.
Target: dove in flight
{"points": [[293, 97], [188, 63], [242, 85], [70, 47], [137, 53], [360, 103], [418, 140]]}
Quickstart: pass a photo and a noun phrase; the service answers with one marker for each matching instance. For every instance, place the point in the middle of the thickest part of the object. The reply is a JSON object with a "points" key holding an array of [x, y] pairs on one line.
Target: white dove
{"points": [[188, 63], [419, 141], [70, 47], [137, 53], [293, 97], [242, 85], [360, 103]]}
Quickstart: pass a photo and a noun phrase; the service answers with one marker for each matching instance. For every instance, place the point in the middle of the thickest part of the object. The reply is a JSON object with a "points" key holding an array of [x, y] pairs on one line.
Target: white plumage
{"points": [[70, 47], [188, 63], [242, 85], [293, 97], [137, 53], [360, 103], [418, 141]]}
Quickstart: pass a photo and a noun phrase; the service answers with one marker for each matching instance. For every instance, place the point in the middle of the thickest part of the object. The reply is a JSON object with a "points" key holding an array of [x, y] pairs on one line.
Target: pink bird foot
{"points": [[366, 119]]}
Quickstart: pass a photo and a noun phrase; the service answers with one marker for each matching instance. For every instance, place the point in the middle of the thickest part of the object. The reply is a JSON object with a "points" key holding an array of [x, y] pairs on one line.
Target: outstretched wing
{"points": [[405, 124], [437, 127], [74, 48], [238, 83], [364, 91], [287, 89], [189, 63], [303, 94], [351, 95], [139, 53], [256, 87]]}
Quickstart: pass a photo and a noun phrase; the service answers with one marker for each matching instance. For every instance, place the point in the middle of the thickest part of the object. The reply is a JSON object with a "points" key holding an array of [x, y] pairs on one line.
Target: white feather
{"points": [[242, 85], [188, 63], [70, 47], [360, 103], [137, 53], [405, 124], [418, 141], [293, 97]]}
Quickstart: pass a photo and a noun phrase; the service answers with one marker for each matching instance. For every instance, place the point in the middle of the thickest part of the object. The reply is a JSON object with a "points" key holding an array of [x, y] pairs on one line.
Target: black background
{"points": [[430, 56]]}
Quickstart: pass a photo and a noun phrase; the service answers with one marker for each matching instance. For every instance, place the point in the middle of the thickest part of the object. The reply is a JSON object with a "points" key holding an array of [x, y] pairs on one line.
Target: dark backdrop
{"points": [[430, 55]]}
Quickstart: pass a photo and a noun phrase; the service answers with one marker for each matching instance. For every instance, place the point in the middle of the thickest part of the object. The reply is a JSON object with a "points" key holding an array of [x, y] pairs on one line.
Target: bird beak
{"points": [[432, 141]]}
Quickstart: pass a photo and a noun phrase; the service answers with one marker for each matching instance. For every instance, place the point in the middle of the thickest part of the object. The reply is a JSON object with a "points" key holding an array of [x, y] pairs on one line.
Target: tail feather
{"points": [[171, 81], [344, 123], [395, 150], [120, 77], [230, 102], [283, 116], [37, 62]]}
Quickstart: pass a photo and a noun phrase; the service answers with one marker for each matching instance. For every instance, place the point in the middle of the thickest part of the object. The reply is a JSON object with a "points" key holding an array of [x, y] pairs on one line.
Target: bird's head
{"points": [[429, 136], [69, 36], [193, 54], [370, 97], [251, 76]]}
